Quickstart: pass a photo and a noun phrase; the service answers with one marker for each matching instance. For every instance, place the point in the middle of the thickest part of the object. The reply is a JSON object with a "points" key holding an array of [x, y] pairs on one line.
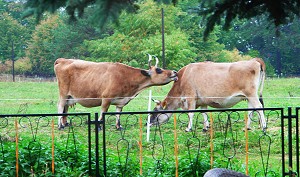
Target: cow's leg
{"points": [[104, 107], [118, 124], [62, 108], [249, 117], [190, 124], [253, 102], [205, 119], [185, 106], [189, 104]]}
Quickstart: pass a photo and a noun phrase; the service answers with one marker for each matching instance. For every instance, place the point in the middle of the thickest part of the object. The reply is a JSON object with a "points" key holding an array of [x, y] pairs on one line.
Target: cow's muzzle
{"points": [[175, 76]]}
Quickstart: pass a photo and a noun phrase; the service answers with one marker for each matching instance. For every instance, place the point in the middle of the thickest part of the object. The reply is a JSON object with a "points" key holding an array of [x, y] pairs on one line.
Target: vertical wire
{"points": [[211, 141], [140, 145], [175, 146], [246, 145], [53, 146]]}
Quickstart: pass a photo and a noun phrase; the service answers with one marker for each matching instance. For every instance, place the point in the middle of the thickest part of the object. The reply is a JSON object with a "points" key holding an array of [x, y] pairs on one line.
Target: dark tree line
{"points": [[103, 31]]}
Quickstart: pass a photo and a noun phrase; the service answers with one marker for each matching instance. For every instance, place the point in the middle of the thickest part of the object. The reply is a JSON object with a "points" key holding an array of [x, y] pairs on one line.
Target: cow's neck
{"points": [[137, 83], [171, 103]]}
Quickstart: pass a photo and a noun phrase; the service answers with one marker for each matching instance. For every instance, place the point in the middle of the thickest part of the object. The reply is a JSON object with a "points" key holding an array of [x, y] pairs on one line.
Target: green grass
{"points": [[43, 97]]}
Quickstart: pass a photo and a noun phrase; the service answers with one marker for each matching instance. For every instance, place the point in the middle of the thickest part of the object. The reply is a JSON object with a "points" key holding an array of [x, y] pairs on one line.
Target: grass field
{"points": [[41, 97]]}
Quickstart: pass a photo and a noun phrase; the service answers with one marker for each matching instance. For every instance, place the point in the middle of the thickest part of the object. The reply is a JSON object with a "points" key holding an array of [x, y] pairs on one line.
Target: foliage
{"points": [[22, 66], [13, 30], [211, 49], [40, 50], [190, 23], [54, 38], [279, 12], [106, 10], [10, 35], [139, 34], [281, 53]]}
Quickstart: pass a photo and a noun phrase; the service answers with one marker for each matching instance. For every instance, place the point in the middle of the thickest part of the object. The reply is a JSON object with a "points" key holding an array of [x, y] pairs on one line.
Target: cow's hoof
{"points": [[249, 129], [150, 124], [264, 129], [120, 128], [188, 130]]}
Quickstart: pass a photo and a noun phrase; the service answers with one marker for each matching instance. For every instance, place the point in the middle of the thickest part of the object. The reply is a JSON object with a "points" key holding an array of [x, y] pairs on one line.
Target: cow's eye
{"points": [[158, 70]]}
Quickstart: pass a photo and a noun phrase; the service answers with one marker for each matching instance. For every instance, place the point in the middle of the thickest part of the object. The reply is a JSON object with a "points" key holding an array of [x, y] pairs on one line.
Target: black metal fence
{"points": [[256, 152], [30, 144]]}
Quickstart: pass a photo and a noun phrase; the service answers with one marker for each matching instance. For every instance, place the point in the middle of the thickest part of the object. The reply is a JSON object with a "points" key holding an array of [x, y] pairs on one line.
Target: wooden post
{"points": [[175, 147], [17, 148]]}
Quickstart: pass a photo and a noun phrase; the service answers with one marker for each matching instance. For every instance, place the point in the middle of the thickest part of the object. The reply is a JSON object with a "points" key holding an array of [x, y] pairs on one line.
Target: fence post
{"points": [[90, 145], [97, 144], [104, 140], [282, 144], [297, 140], [290, 141]]}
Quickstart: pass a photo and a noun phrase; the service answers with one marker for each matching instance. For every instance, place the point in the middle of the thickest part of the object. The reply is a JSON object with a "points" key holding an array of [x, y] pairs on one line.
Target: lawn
{"points": [[158, 154]]}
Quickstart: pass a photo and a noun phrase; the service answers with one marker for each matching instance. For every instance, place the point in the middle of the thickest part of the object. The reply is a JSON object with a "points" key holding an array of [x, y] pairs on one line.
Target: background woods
{"points": [[35, 46]]}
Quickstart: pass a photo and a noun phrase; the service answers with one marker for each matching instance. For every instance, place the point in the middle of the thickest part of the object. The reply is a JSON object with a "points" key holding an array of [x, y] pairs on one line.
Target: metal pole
{"points": [[282, 145], [290, 140], [149, 115], [297, 141], [97, 144], [104, 144], [163, 37], [90, 144]]}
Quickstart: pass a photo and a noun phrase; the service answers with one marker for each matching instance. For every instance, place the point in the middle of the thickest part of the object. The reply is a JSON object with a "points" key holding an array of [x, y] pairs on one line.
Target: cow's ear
{"points": [[145, 73], [156, 101], [164, 104]]}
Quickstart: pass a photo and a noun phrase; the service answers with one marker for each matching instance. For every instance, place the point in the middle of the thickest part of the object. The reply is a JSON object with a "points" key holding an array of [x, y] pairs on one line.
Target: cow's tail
{"points": [[261, 79]]}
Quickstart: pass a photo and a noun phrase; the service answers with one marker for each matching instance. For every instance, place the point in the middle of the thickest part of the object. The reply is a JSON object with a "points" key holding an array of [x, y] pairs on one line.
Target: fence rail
{"points": [[230, 152], [30, 144]]}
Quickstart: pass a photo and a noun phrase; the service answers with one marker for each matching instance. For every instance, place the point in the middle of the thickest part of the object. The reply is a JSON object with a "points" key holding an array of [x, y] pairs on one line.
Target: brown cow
{"points": [[103, 84], [218, 85]]}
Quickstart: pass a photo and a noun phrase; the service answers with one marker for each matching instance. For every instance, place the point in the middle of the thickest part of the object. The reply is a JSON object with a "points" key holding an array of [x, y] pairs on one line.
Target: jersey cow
{"points": [[103, 84], [218, 85]]}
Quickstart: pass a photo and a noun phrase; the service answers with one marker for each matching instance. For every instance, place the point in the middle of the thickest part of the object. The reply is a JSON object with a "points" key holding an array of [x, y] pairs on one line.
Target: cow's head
{"points": [[158, 75], [159, 118]]}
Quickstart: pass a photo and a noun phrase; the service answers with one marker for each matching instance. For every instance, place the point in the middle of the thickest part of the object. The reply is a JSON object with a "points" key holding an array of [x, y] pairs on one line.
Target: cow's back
{"points": [[209, 79], [218, 78], [83, 79]]}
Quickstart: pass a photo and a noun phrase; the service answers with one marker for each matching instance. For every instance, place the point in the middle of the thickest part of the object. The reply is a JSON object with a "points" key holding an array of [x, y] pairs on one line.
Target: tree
{"points": [[140, 33], [40, 49], [55, 38], [282, 51], [14, 33], [12, 39], [211, 49], [279, 12]]}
